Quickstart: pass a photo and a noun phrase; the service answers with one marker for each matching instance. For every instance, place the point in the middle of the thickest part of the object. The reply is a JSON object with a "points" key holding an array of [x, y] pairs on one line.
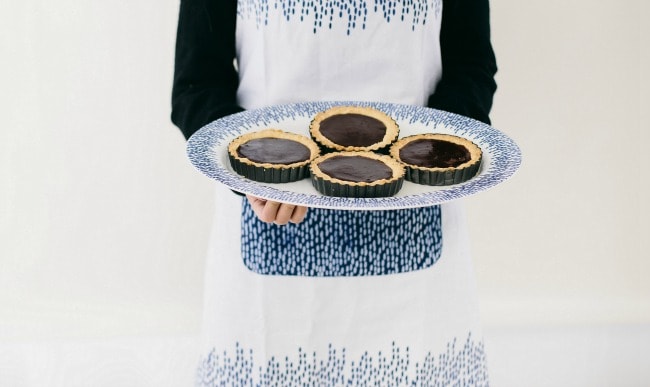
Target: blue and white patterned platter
{"points": [[207, 150]]}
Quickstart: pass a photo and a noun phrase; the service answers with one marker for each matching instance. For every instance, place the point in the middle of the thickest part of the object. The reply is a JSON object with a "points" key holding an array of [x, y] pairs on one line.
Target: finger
{"points": [[298, 214], [255, 201], [284, 214], [275, 212], [263, 209], [257, 204], [269, 211]]}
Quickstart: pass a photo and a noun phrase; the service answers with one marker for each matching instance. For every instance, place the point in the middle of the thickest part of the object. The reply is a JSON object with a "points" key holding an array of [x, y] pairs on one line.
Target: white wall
{"points": [[565, 241], [103, 222]]}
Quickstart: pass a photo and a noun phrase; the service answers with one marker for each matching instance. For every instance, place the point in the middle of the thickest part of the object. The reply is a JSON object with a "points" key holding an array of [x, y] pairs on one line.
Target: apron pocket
{"points": [[334, 243]]}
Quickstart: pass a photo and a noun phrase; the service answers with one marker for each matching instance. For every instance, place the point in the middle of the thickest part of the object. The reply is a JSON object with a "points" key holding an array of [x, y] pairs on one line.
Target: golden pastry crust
{"points": [[271, 172], [439, 175], [391, 129], [273, 133], [332, 186]]}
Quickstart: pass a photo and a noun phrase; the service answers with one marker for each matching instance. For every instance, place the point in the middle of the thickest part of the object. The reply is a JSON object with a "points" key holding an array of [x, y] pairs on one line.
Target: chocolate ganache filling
{"points": [[353, 129], [274, 151], [434, 153], [355, 168]]}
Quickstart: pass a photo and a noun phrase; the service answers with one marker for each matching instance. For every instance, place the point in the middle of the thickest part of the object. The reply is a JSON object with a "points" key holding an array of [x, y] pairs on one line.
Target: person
{"points": [[410, 315]]}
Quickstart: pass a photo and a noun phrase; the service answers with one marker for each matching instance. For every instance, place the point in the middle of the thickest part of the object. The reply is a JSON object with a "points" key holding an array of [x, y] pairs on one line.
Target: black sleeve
{"points": [[467, 85], [205, 79]]}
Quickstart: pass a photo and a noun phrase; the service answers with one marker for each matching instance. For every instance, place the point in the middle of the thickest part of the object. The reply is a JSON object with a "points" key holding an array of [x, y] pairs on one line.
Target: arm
{"points": [[467, 85], [205, 80]]}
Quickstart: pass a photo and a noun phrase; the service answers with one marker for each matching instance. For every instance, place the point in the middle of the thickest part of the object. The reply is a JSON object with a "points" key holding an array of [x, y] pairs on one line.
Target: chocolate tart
{"points": [[437, 159], [353, 129], [272, 156], [356, 174]]}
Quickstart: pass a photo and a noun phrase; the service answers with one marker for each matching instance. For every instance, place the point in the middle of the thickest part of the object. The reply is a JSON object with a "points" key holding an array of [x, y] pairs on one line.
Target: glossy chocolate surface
{"points": [[433, 153], [353, 129], [355, 168], [274, 151]]}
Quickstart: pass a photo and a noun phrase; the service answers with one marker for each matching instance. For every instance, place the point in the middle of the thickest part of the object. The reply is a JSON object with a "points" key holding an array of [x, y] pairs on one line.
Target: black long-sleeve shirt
{"points": [[205, 79]]}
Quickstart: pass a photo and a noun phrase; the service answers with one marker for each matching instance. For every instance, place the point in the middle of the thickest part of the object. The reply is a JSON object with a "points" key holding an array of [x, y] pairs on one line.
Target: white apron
{"points": [[381, 298]]}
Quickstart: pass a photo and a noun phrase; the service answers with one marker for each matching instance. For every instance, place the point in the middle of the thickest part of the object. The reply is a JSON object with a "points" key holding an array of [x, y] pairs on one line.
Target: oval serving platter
{"points": [[207, 150]]}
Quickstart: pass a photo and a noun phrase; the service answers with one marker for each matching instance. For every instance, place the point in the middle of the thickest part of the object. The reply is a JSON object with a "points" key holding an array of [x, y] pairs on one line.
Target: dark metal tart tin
{"points": [[439, 176], [338, 188], [272, 173], [443, 177], [328, 145], [269, 175], [329, 188]]}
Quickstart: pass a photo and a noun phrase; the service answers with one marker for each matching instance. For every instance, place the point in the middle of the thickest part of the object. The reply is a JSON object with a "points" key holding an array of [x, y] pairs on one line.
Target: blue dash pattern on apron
{"points": [[343, 243]]}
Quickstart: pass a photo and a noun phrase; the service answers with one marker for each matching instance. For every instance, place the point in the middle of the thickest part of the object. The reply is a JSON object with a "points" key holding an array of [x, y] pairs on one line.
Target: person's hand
{"points": [[274, 212]]}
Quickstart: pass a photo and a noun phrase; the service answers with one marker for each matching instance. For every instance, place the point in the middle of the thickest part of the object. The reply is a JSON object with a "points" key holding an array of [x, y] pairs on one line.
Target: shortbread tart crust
{"points": [[320, 120], [271, 172], [437, 176], [332, 186]]}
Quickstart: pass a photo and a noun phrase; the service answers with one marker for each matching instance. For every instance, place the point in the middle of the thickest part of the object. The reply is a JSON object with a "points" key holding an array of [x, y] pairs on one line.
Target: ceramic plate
{"points": [[207, 150]]}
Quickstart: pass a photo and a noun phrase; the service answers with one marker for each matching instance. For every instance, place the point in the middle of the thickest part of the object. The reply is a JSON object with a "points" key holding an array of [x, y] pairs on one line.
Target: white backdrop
{"points": [[103, 222]]}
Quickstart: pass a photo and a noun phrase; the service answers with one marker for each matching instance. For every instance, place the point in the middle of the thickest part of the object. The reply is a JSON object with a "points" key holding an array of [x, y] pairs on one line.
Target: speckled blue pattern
{"points": [[502, 153], [353, 14], [458, 366], [343, 243]]}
